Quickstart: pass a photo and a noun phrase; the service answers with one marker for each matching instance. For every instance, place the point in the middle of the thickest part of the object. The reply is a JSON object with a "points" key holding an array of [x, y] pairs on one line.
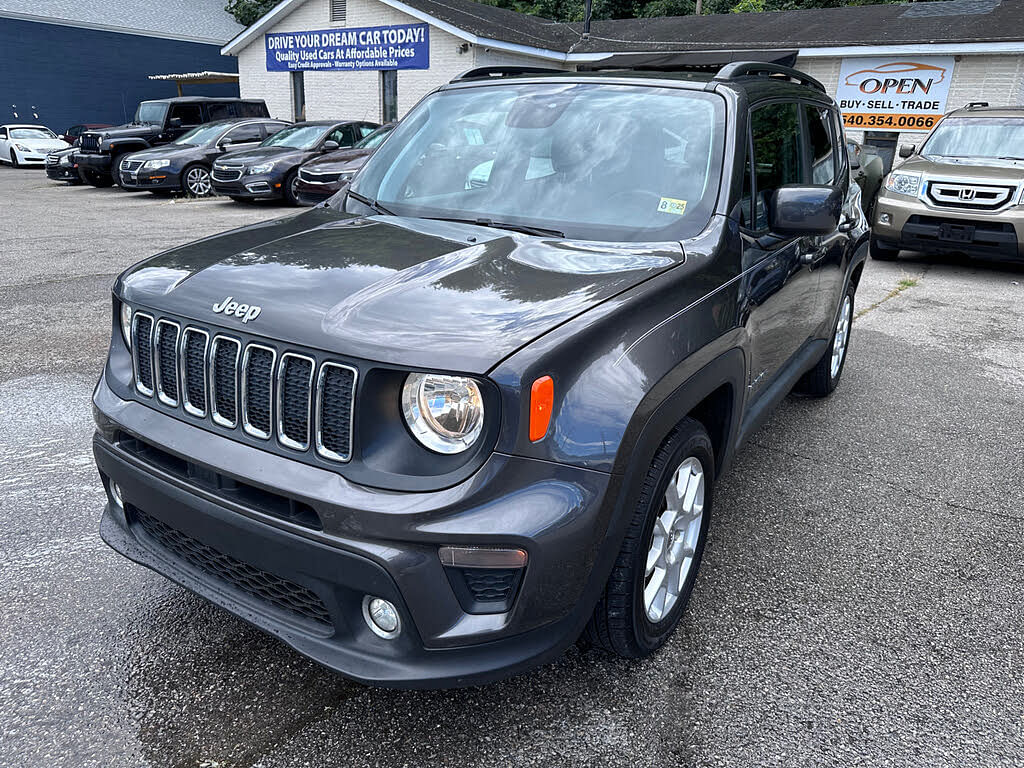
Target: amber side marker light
{"points": [[542, 397]]}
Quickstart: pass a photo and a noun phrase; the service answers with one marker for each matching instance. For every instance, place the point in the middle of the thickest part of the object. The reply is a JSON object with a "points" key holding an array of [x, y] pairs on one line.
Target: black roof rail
{"points": [[977, 104], [740, 69], [504, 71]]}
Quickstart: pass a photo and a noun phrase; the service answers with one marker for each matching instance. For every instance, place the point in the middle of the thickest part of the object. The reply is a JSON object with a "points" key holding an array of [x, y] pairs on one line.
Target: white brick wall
{"points": [[997, 79], [356, 95]]}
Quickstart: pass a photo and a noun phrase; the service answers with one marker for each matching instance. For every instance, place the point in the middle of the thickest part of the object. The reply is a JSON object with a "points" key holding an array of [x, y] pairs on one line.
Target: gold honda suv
{"points": [[961, 191]]}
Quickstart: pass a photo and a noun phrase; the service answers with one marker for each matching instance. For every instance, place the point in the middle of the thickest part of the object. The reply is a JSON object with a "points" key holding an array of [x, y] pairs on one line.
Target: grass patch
{"points": [[903, 284]]}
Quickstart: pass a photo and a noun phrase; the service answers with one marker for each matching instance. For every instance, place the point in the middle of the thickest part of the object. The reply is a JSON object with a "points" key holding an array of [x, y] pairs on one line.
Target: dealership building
{"points": [[64, 62], [894, 68]]}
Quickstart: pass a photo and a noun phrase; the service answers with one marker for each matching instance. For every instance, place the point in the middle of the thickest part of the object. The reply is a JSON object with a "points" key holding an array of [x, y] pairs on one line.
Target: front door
{"points": [[781, 287]]}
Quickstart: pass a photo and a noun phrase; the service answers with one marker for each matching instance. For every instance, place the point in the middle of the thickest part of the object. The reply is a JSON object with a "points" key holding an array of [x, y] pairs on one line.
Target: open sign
{"points": [[878, 90]]}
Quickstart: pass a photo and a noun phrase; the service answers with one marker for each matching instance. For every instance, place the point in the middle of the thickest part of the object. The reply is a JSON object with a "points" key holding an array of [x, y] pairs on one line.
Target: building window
{"points": [[338, 10]]}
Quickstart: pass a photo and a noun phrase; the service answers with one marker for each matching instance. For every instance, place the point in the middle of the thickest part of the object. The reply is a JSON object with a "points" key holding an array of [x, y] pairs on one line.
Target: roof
{"points": [[203, 77], [988, 112], [199, 21], [941, 21]]}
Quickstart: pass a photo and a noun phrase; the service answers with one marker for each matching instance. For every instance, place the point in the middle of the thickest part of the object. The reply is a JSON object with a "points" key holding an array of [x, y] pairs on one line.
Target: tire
{"points": [[288, 188], [14, 159], [624, 622], [196, 181], [881, 252], [823, 378], [99, 180]]}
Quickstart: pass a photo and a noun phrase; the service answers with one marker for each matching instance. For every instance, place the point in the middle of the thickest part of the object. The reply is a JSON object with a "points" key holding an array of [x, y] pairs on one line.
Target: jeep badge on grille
{"points": [[245, 311]]}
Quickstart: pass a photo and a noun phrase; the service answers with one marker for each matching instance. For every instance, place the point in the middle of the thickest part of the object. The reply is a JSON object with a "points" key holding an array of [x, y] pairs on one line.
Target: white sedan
{"points": [[27, 144]]}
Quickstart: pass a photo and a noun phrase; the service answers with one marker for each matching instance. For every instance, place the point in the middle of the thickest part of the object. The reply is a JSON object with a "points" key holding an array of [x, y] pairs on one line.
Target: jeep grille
{"points": [[89, 142], [245, 385]]}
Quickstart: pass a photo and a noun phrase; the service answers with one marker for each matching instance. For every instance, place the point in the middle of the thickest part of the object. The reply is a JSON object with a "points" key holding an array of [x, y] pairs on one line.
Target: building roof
{"points": [[199, 21], [909, 24]]}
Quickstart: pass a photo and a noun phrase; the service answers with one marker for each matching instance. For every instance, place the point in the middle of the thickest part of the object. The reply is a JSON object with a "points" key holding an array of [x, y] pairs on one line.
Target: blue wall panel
{"points": [[59, 76]]}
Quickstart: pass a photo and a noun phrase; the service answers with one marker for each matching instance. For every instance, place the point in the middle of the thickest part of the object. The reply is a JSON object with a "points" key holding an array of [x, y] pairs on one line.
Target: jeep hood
{"points": [[409, 292], [130, 130], [974, 168]]}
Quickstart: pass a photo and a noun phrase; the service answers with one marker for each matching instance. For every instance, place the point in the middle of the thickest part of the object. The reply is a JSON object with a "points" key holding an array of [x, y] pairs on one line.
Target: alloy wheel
{"points": [[197, 181], [670, 555], [842, 335]]}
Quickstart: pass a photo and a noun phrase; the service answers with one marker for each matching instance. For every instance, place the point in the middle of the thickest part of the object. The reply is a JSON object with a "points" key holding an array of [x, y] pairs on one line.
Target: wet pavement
{"points": [[860, 603]]}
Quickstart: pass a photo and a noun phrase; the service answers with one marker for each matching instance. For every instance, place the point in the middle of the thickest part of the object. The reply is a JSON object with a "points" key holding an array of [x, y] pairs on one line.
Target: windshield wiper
{"points": [[1010, 157], [370, 203], [525, 229]]}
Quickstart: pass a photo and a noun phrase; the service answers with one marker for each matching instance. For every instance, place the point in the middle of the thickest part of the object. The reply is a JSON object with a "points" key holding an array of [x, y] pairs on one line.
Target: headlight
{"points": [[263, 168], [126, 324], [445, 413], [154, 164], [903, 183], [22, 148]]}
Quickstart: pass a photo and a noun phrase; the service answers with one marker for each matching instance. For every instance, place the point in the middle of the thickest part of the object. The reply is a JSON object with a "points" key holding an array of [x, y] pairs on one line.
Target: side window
{"points": [[249, 109], [365, 129], [245, 133], [222, 111], [342, 135], [819, 139], [190, 114], [778, 157], [75, 130], [269, 129], [747, 200], [3, 133]]}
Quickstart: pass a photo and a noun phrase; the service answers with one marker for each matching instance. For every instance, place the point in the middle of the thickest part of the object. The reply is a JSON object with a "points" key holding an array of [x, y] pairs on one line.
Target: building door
{"points": [[298, 96], [389, 95], [884, 143]]}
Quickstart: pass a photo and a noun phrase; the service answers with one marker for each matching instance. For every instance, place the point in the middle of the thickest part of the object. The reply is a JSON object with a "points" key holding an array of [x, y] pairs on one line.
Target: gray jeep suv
{"points": [[476, 406]]}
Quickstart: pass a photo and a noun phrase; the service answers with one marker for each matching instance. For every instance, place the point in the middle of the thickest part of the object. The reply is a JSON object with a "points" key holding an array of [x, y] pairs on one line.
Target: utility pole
{"points": [[587, 10]]}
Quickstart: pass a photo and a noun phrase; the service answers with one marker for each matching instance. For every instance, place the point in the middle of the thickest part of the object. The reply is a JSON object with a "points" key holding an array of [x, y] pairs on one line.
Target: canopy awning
{"points": [[198, 77]]}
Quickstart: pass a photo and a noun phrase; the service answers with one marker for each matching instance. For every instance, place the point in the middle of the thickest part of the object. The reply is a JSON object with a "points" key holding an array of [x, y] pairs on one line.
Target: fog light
{"points": [[115, 494], [885, 218], [381, 617]]}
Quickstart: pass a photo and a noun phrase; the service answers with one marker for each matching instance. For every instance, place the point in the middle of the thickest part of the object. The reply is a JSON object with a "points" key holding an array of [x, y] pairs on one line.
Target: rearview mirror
{"points": [[906, 150], [330, 146], [805, 210]]}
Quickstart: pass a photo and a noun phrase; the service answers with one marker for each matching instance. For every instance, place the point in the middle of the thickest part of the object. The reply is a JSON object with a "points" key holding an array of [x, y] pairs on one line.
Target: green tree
{"points": [[246, 12]]}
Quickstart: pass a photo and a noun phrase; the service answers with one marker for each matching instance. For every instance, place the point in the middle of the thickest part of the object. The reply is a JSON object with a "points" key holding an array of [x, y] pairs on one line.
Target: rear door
{"points": [[781, 288]]}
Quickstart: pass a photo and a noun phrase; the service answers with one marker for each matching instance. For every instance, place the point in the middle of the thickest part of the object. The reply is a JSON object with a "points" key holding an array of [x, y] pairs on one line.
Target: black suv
{"points": [[475, 407], [184, 164], [155, 122]]}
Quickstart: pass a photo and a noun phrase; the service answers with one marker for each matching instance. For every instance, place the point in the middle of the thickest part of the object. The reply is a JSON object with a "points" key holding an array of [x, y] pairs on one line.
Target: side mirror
{"points": [[226, 143], [800, 210], [174, 122], [906, 150], [330, 146]]}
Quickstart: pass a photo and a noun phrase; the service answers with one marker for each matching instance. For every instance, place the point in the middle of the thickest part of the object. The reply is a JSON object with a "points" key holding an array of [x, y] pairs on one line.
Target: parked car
{"points": [[271, 169], [27, 144], [61, 166], [868, 170], [432, 432], [961, 192], [156, 122], [74, 133], [184, 164], [323, 176]]}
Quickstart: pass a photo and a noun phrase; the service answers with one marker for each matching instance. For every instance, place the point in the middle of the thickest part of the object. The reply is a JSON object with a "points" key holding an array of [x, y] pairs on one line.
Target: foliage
{"points": [[572, 10], [246, 12]]}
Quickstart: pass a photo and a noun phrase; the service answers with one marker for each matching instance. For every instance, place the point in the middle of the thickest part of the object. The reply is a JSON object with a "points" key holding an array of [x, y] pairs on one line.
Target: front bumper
{"points": [[252, 187], [62, 172], [907, 222], [161, 178], [371, 543], [313, 193], [91, 161]]}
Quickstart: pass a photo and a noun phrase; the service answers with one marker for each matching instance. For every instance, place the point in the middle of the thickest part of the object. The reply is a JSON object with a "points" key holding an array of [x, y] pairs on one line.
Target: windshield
{"points": [[32, 133], [374, 139], [592, 161], [297, 137], [151, 112], [202, 135], [977, 137]]}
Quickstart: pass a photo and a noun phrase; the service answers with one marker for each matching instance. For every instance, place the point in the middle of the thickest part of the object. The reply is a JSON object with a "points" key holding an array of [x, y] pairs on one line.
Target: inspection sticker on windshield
{"points": [[671, 205]]}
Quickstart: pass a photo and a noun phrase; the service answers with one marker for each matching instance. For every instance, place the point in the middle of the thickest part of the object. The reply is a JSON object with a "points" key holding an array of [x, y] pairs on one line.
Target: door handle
{"points": [[847, 223]]}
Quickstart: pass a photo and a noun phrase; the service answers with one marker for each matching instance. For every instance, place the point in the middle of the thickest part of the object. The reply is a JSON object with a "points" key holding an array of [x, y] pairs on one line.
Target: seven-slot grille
{"points": [[248, 385]]}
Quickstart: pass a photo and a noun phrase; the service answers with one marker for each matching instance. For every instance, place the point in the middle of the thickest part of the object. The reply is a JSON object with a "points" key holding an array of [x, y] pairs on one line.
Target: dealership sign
{"points": [[402, 46], [907, 93]]}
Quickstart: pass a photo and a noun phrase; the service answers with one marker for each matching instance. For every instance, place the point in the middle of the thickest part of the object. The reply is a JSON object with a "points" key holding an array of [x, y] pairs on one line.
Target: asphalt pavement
{"points": [[861, 600]]}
